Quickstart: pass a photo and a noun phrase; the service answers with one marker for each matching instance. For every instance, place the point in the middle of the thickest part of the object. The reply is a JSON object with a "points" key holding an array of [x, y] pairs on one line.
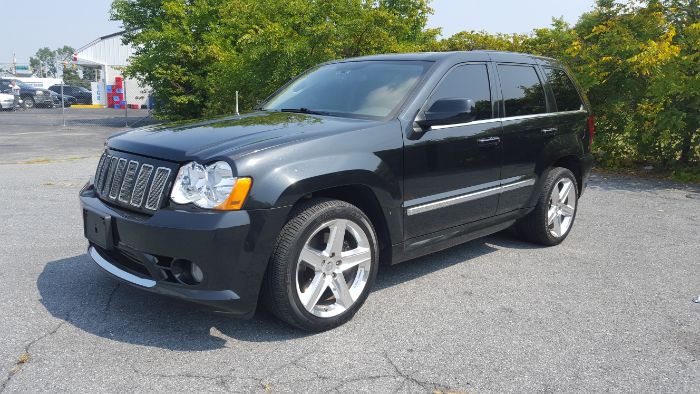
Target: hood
{"points": [[209, 139]]}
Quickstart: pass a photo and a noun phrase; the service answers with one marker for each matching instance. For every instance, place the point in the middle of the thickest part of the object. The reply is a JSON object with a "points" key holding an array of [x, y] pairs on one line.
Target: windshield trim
{"points": [[391, 115]]}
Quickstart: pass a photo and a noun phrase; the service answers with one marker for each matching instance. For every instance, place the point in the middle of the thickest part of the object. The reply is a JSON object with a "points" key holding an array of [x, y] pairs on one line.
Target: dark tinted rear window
{"points": [[565, 93], [522, 90], [469, 81]]}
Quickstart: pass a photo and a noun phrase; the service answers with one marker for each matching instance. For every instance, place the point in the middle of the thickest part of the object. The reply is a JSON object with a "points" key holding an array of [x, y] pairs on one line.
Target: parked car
{"points": [[31, 96], [7, 101], [81, 94], [355, 163], [67, 100]]}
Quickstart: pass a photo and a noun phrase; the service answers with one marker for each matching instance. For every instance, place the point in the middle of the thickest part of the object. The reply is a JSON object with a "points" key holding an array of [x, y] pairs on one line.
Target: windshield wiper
{"points": [[303, 110]]}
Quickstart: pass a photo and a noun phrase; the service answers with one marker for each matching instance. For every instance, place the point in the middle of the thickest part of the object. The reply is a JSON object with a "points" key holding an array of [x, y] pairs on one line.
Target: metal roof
{"points": [[107, 50]]}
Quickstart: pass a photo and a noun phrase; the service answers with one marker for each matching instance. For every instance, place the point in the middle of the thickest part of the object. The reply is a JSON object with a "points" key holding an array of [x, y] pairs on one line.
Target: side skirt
{"points": [[440, 240]]}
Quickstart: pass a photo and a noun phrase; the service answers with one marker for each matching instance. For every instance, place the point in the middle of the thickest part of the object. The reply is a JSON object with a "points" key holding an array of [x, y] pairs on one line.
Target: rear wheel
{"points": [[323, 266], [551, 220]]}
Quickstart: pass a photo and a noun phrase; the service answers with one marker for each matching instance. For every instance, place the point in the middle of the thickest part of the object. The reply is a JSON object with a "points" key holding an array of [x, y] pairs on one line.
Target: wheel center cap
{"points": [[328, 267]]}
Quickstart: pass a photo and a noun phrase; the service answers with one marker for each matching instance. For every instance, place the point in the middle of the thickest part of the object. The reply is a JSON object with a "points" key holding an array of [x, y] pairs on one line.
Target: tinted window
{"points": [[470, 81], [522, 90], [565, 93], [367, 89]]}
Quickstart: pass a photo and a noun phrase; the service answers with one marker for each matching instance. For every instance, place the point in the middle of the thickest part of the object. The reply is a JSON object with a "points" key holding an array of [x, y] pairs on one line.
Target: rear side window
{"points": [[469, 81], [522, 90], [565, 92]]}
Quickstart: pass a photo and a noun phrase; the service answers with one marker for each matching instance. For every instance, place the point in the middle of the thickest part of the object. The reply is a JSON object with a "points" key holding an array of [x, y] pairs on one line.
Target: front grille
{"points": [[125, 180]]}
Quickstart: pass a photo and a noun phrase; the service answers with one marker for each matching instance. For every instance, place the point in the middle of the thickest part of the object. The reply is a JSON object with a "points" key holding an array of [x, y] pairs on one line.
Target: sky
{"points": [[55, 23]]}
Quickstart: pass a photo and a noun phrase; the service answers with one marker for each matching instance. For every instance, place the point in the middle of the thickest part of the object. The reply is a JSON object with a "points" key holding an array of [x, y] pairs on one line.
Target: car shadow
{"points": [[75, 290]]}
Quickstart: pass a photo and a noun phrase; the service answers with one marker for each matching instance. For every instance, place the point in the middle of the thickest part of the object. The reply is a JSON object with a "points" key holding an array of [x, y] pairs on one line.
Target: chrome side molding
{"points": [[471, 196]]}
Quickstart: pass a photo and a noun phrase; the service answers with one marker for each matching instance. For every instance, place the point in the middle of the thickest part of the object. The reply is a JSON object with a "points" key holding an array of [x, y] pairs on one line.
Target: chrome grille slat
{"points": [[103, 173], [118, 177], [110, 175], [125, 180], [99, 167], [128, 183], [140, 187], [157, 186]]}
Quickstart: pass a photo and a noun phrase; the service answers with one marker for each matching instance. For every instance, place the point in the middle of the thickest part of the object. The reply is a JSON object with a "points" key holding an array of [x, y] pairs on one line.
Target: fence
{"points": [[68, 106]]}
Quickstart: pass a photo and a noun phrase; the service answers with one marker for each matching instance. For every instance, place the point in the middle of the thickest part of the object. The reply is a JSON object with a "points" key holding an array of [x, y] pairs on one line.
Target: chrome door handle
{"points": [[488, 142], [550, 132]]}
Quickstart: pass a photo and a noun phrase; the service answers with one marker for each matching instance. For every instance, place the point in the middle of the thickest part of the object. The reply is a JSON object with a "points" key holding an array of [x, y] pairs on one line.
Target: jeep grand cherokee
{"points": [[354, 163]]}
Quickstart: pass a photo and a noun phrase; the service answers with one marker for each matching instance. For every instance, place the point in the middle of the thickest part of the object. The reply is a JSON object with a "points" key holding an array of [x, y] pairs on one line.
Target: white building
{"points": [[109, 55]]}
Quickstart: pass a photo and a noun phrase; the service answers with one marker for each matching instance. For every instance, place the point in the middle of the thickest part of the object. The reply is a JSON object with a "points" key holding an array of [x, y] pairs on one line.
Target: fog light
{"points": [[187, 272], [197, 273]]}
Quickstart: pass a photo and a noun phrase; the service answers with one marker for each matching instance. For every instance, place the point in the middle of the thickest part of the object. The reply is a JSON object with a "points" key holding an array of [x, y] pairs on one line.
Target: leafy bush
{"points": [[638, 62]]}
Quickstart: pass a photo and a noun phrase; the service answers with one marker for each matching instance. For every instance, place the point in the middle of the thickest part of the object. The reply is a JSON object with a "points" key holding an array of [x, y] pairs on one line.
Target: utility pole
{"points": [[14, 63]]}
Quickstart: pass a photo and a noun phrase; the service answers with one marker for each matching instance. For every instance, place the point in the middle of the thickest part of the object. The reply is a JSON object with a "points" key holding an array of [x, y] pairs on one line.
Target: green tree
{"points": [[639, 62], [196, 53], [44, 62]]}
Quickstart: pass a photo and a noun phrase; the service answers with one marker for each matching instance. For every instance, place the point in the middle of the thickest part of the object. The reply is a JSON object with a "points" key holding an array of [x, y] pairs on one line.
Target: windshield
{"points": [[365, 89]]}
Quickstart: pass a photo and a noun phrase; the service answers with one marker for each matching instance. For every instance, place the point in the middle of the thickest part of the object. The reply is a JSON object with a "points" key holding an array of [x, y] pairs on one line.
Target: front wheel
{"points": [[551, 220], [28, 102], [323, 266]]}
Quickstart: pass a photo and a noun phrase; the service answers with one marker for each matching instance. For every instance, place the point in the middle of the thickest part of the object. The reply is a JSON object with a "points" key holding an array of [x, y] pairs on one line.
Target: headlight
{"points": [[212, 186], [39, 92]]}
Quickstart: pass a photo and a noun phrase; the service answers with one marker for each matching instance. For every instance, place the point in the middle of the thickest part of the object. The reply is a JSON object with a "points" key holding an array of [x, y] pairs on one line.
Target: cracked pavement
{"points": [[609, 310]]}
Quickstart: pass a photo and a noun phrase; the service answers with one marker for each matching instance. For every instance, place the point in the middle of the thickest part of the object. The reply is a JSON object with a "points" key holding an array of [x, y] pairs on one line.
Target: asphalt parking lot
{"points": [[611, 309]]}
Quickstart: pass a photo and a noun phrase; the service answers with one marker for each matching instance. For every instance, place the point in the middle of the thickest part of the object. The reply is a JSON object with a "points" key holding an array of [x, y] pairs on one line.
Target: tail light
{"points": [[591, 129]]}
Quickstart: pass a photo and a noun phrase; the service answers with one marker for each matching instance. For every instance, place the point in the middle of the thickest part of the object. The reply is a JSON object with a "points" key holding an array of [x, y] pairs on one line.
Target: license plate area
{"points": [[98, 229]]}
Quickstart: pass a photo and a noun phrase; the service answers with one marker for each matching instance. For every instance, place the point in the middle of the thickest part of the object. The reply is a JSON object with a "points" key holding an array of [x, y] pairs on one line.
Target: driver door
{"points": [[452, 171]]}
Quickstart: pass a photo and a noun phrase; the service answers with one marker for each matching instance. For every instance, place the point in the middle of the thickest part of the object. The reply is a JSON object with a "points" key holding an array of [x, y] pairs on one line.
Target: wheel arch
{"points": [[573, 164], [363, 197]]}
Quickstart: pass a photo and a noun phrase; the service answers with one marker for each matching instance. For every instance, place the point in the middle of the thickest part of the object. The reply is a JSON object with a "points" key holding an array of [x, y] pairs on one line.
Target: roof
{"points": [[93, 42], [107, 50], [481, 55]]}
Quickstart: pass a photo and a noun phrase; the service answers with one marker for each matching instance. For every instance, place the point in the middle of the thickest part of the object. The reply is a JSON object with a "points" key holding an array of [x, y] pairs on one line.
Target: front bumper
{"points": [[43, 99], [232, 249]]}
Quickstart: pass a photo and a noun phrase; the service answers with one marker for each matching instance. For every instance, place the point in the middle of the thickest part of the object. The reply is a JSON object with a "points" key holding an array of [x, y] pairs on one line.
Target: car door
{"points": [[451, 171], [527, 127]]}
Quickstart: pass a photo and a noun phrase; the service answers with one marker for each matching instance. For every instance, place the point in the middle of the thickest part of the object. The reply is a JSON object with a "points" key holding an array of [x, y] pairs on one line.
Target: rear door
{"points": [[450, 173], [527, 128]]}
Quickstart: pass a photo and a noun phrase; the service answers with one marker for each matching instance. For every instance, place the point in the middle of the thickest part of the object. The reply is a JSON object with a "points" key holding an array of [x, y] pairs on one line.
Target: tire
{"points": [[28, 101], [551, 221], [307, 292]]}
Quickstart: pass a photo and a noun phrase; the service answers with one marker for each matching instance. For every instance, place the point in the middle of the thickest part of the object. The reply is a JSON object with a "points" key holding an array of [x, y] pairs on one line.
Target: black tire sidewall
{"points": [[338, 212]]}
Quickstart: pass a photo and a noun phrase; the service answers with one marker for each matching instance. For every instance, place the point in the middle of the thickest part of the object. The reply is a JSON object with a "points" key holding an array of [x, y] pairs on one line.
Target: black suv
{"points": [[31, 96], [354, 163], [81, 94]]}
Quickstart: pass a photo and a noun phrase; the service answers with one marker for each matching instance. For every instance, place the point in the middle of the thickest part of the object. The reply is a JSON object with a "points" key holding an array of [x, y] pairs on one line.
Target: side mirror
{"points": [[448, 111]]}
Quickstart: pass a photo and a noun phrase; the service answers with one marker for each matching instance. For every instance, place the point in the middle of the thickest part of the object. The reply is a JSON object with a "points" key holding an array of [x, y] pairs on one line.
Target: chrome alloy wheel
{"points": [[562, 207], [333, 268]]}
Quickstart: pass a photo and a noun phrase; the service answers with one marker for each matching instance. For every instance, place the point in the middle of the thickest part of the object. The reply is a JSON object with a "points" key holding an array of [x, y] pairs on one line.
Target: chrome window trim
{"points": [[508, 118], [119, 273], [506, 184]]}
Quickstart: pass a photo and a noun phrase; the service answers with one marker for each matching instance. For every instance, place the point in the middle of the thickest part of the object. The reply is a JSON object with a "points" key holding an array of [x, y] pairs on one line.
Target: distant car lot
{"points": [[609, 310]]}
